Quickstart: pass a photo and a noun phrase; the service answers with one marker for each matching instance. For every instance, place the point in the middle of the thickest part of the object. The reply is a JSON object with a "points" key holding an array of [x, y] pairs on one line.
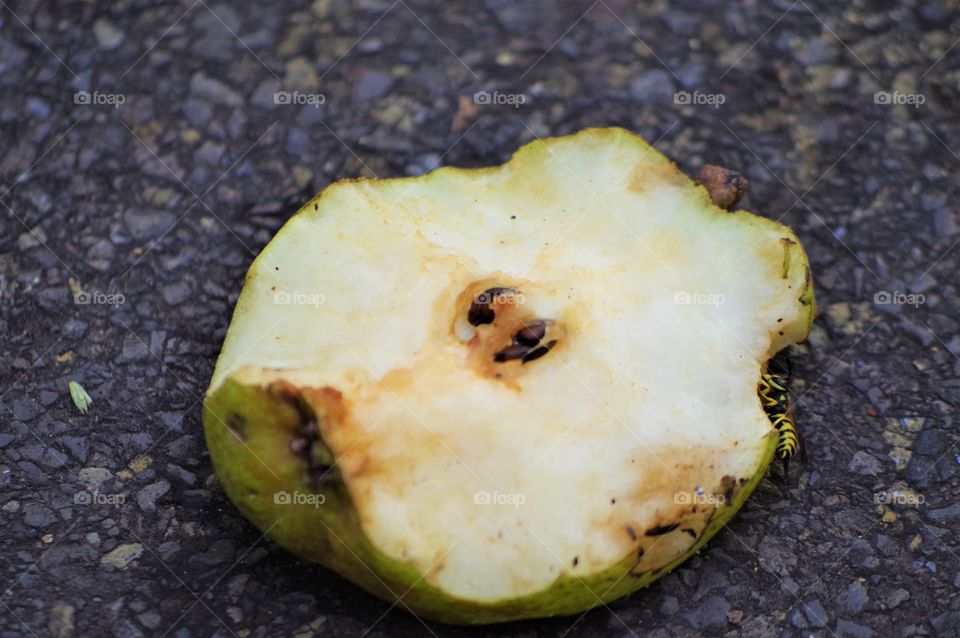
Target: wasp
{"points": [[775, 398]]}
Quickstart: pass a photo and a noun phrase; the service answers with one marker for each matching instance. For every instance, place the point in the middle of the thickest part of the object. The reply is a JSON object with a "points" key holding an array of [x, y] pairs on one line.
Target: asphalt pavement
{"points": [[149, 150]]}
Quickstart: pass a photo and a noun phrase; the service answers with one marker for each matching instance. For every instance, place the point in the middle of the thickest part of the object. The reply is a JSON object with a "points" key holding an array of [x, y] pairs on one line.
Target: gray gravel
{"points": [[150, 150]]}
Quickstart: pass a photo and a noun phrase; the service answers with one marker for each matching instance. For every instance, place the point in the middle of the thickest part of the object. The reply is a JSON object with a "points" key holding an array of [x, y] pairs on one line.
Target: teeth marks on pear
{"points": [[306, 443], [311, 449], [306, 446]]}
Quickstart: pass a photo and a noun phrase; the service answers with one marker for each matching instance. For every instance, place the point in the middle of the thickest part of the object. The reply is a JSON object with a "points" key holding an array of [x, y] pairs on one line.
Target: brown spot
{"points": [[806, 286], [725, 187], [728, 484], [652, 176], [238, 425], [660, 530], [632, 534], [576, 561], [635, 571], [787, 244], [692, 533]]}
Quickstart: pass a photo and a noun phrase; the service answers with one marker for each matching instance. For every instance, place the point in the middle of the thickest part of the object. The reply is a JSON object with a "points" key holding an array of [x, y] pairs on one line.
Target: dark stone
{"points": [[371, 85], [929, 443], [847, 629], [653, 86], [815, 613], [37, 515], [710, 614], [944, 514], [77, 446], [26, 409], [204, 87], [856, 597], [197, 113], [148, 496], [145, 223]]}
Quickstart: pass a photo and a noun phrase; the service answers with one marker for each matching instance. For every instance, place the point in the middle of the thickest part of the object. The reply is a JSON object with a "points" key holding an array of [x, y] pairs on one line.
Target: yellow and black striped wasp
{"points": [[775, 397]]}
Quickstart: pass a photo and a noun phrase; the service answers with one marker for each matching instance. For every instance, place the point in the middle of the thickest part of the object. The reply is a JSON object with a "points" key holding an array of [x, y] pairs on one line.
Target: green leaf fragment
{"points": [[80, 397]]}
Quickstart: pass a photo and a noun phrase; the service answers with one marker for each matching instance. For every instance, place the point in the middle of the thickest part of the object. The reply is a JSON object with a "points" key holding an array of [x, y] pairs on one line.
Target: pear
{"points": [[511, 392]]}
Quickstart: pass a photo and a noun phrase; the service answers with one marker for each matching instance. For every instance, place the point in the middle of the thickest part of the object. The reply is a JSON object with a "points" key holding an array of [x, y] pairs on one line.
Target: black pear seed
{"points": [[511, 353], [480, 314], [536, 353], [531, 333]]}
